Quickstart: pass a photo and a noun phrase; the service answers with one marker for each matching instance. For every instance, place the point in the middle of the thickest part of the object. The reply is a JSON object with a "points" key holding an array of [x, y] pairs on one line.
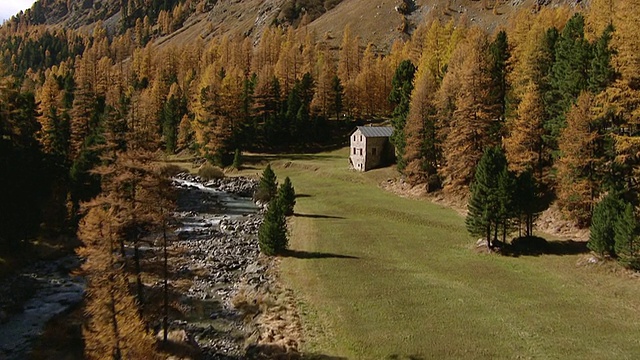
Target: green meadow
{"points": [[379, 276]]}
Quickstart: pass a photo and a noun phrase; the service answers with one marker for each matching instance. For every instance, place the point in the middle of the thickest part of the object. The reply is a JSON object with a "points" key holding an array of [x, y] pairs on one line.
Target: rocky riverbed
{"points": [[216, 227], [235, 307], [226, 302], [31, 298]]}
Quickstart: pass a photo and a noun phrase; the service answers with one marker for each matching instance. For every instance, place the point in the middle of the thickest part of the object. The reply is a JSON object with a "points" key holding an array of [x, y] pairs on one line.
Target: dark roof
{"points": [[375, 131]]}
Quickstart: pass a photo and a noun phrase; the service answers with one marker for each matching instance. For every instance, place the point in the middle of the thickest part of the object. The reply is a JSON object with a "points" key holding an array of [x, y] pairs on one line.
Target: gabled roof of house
{"points": [[375, 131]]}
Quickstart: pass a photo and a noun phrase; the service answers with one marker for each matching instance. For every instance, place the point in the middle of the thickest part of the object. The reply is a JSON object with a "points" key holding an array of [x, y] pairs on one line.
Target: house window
{"points": [[354, 151], [360, 152], [360, 137], [373, 151], [354, 138]]}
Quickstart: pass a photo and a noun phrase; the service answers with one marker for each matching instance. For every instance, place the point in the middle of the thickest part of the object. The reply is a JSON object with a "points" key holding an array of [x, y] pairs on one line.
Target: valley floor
{"points": [[381, 276]]}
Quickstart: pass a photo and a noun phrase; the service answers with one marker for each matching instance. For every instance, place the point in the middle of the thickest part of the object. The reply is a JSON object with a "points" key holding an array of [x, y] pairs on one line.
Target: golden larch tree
{"points": [[468, 132], [577, 185], [523, 145]]}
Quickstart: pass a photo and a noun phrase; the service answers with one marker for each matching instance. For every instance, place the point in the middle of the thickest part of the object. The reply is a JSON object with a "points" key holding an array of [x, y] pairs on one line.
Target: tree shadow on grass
{"points": [[299, 254], [317, 216], [536, 246], [321, 357], [403, 357], [303, 196]]}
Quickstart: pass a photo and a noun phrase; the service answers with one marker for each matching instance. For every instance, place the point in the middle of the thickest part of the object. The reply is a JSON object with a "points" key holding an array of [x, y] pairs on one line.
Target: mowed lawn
{"points": [[379, 276]]}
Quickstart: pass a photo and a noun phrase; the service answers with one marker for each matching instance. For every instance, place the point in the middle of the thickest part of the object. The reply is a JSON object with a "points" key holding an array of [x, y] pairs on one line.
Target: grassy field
{"points": [[384, 277]]}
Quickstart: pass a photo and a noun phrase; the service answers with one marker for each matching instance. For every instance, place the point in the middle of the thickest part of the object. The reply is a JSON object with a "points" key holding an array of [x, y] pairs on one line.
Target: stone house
{"points": [[370, 147]]}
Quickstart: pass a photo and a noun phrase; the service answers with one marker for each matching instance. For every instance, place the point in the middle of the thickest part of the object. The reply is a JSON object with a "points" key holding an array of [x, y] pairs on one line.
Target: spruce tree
{"points": [[527, 203], [268, 186], [336, 96], [601, 73], [400, 96], [601, 238], [287, 197], [485, 203], [237, 159], [272, 235], [627, 238], [506, 193], [569, 74]]}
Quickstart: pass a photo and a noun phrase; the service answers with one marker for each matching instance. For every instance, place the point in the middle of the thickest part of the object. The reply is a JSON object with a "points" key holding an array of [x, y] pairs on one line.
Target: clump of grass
{"points": [[210, 172]]}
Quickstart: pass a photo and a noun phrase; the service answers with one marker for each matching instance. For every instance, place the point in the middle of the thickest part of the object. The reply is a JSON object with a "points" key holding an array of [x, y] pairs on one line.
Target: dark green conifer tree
{"points": [[569, 75], [400, 96], [627, 238], [237, 159], [272, 235], [527, 202], [601, 73], [605, 215], [268, 186], [287, 197], [485, 203], [337, 94], [506, 198]]}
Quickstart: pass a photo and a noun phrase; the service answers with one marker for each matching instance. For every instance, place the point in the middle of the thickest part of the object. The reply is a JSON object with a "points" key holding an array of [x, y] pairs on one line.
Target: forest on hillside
{"points": [[83, 115]]}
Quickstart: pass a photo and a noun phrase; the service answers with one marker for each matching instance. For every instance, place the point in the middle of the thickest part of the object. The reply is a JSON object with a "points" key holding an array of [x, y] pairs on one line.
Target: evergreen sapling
{"points": [[287, 197]]}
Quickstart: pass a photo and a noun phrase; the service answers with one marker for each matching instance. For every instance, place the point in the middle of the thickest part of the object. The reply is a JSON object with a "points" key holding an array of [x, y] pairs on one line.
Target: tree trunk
{"points": [[504, 232], [138, 269], [117, 355], [165, 317]]}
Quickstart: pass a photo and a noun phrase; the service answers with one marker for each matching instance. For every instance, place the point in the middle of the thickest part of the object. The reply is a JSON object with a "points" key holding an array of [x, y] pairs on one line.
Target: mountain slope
{"points": [[376, 21]]}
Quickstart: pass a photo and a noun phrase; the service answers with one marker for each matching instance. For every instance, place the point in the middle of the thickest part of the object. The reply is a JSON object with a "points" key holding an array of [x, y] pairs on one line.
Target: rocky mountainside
{"points": [[376, 21]]}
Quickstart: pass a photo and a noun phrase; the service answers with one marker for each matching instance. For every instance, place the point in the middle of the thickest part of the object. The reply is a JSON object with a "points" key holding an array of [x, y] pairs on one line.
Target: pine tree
{"points": [[337, 96], [506, 192], [602, 235], [527, 202], [287, 197], [268, 186], [400, 96], [272, 235], [627, 238], [569, 75], [601, 73], [486, 203], [237, 159]]}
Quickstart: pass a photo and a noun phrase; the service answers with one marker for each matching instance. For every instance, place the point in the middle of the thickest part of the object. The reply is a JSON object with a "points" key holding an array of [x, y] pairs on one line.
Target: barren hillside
{"points": [[376, 21]]}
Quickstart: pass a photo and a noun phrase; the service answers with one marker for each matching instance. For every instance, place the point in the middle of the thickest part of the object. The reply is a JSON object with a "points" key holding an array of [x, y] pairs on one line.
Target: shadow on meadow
{"points": [[536, 246], [318, 216], [299, 254], [402, 357]]}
